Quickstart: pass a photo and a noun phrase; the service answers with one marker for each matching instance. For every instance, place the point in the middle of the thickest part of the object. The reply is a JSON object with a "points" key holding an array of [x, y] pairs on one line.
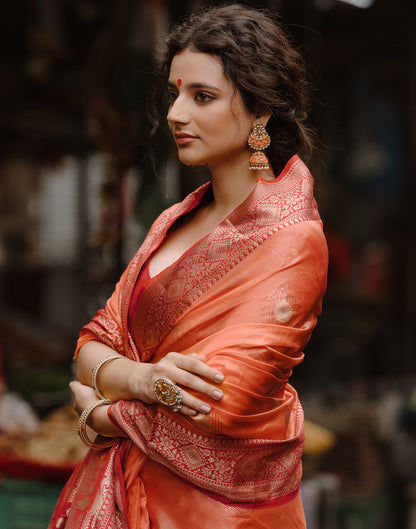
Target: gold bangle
{"points": [[94, 374], [82, 426]]}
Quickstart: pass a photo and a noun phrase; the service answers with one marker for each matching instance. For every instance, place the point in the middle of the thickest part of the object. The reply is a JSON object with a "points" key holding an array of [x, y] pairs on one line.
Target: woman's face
{"points": [[206, 115]]}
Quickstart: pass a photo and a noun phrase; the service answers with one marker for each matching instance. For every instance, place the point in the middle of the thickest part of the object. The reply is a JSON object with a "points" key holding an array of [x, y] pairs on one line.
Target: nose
{"points": [[177, 112]]}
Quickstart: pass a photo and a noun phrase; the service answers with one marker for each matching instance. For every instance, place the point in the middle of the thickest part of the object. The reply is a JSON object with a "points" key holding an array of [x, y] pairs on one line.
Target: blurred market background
{"points": [[78, 193]]}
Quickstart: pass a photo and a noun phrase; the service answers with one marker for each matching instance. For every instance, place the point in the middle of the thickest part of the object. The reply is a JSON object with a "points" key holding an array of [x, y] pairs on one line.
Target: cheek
{"points": [[223, 127]]}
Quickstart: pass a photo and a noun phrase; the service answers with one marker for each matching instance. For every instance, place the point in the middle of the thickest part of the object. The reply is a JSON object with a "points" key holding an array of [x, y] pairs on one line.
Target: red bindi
{"points": [[179, 82]]}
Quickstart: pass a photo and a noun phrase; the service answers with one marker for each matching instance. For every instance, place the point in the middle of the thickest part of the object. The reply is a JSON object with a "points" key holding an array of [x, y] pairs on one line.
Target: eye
{"points": [[204, 97], [171, 96]]}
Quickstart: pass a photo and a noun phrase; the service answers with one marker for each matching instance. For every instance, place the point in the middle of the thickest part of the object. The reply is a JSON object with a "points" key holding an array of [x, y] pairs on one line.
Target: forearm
{"points": [[100, 422], [117, 379]]}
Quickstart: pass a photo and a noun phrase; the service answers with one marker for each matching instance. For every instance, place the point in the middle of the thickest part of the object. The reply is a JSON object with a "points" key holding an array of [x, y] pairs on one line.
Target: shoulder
{"points": [[306, 237], [280, 203]]}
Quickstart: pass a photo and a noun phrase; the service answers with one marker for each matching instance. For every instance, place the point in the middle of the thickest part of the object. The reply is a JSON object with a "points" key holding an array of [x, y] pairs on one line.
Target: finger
{"points": [[188, 411], [192, 382], [198, 356], [190, 402], [74, 386], [187, 403], [196, 366]]}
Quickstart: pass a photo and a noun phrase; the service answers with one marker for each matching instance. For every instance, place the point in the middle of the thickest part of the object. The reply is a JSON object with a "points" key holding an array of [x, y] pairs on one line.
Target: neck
{"points": [[231, 184]]}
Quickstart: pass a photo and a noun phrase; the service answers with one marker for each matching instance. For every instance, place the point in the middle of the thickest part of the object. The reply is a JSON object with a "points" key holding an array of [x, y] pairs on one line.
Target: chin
{"points": [[191, 162]]}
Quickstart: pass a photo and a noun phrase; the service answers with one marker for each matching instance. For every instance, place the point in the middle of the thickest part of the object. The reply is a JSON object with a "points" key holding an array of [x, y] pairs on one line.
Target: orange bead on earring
{"points": [[259, 140]]}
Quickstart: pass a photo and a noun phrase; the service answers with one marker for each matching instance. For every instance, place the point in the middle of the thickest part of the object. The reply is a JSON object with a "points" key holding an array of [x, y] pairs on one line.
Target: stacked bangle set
{"points": [[82, 423]]}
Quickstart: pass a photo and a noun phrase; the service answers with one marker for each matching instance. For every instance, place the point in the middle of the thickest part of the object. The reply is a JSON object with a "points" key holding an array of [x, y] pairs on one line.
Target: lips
{"points": [[183, 138]]}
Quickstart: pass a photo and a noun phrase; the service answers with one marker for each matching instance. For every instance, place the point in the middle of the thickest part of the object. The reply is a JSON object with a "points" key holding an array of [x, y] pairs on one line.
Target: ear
{"points": [[263, 118]]}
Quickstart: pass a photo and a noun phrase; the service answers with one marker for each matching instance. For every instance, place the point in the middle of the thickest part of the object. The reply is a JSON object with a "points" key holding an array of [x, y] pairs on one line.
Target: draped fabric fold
{"points": [[247, 297]]}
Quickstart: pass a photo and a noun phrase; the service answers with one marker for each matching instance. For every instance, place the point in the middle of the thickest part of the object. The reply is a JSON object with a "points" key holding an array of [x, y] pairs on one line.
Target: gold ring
{"points": [[167, 393]]}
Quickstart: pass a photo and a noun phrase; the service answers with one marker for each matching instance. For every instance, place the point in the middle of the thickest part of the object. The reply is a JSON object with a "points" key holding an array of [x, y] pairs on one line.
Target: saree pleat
{"points": [[136, 496]]}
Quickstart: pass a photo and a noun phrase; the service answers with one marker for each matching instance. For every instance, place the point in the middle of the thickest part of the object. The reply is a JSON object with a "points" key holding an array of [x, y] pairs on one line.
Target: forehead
{"points": [[196, 67]]}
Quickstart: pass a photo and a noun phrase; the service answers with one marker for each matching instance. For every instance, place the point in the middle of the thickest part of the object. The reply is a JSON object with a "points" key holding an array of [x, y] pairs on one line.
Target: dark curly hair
{"points": [[260, 61]]}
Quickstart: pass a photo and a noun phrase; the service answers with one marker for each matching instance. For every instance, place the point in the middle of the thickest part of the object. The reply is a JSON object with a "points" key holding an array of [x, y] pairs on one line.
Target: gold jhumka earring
{"points": [[259, 140]]}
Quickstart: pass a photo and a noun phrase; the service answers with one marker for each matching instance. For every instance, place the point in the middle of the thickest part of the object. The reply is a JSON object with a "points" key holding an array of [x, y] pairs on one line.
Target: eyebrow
{"points": [[194, 86]]}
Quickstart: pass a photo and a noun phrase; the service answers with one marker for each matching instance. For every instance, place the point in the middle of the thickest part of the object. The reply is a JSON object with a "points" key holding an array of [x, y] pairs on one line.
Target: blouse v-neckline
{"points": [[193, 207]]}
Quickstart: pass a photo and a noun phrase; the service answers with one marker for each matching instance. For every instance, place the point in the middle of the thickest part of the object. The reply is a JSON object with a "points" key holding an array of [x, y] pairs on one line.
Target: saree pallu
{"points": [[246, 296]]}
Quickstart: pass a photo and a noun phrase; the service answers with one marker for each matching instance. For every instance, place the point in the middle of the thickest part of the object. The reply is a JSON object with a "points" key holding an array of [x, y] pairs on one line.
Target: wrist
{"points": [[86, 417], [137, 381], [95, 371], [110, 380], [98, 420]]}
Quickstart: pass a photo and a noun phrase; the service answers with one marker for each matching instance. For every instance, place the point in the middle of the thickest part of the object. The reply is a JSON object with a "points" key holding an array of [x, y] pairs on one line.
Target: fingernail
{"points": [[217, 394], [192, 412], [205, 408], [219, 377]]}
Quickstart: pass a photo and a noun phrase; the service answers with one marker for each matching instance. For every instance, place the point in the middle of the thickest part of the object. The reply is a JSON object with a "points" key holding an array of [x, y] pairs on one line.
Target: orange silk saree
{"points": [[247, 296]]}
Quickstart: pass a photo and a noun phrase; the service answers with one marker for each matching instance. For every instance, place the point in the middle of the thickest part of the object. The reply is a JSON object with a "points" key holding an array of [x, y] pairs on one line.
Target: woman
{"points": [[195, 347]]}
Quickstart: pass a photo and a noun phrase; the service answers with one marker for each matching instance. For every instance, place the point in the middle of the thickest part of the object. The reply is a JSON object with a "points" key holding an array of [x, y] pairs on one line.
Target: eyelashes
{"points": [[171, 96], [199, 97], [204, 97]]}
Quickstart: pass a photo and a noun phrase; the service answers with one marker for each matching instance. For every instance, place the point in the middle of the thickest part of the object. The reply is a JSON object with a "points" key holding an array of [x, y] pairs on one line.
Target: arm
{"points": [[129, 380]]}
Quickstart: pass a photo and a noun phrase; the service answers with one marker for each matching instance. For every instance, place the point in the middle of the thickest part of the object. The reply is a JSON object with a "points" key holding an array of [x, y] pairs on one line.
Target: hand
{"points": [[98, 419], [186, 371], [83, 396]]}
